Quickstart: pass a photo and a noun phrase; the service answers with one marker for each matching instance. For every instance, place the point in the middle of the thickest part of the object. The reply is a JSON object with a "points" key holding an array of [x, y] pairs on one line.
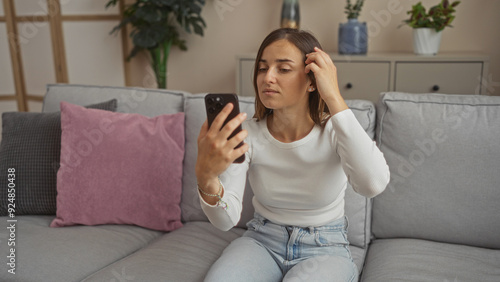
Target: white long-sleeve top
{"points": [[302, 183]]}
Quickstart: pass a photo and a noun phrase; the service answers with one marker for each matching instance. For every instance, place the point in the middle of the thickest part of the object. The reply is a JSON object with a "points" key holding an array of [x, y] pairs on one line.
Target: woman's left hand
{"points": [[325, 72]]}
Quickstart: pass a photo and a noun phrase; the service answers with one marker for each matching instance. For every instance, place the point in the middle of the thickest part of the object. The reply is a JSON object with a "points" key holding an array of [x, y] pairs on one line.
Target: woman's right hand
{"points": [[215, 152]]}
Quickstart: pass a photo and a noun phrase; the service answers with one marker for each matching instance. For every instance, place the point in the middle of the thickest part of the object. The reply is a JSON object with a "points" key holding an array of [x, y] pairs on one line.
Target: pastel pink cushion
{"points": [[119, 168]]}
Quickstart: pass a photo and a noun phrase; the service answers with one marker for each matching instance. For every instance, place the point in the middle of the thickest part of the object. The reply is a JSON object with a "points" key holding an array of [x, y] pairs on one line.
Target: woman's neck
{"points": [[289, 127]]}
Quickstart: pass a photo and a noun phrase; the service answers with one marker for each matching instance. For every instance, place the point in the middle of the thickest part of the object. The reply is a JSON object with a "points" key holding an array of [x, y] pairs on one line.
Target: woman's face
{"points": [[281, 79]]}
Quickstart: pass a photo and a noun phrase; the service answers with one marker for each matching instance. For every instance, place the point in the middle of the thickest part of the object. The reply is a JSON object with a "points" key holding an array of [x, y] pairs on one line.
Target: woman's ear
{"points": [[312, 82]]}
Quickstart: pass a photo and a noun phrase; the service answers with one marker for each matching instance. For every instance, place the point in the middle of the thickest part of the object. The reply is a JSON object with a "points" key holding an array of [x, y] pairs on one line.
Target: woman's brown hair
{"points": [[305, 42]]}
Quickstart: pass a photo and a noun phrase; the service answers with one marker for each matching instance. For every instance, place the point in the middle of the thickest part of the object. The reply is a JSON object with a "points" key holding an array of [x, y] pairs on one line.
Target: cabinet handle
{"points": [[348, 85], [435, 88]]}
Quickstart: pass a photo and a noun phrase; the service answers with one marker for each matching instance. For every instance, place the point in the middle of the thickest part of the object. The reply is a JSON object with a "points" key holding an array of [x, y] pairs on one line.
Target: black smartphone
{"points": [[214, 103]]}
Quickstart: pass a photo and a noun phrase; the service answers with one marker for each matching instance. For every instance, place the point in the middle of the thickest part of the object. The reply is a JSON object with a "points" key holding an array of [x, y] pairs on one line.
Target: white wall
{"points": [[239, 26]]}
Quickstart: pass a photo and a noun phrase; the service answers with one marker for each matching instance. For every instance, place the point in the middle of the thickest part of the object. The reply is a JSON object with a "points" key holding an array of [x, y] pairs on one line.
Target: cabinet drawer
{"points": [[449, 78], [363, 80]]}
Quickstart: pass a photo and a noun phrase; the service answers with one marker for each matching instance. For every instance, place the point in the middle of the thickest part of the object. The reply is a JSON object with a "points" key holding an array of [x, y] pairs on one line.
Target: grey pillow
{"points": [[29, 160], [443, 154]]}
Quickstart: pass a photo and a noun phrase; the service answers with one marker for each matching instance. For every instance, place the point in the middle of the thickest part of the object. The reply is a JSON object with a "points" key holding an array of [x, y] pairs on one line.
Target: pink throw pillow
{"points": [[119, 168]]}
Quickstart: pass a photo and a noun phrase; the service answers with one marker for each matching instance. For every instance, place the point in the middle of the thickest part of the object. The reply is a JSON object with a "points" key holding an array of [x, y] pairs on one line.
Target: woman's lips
{"points": [[269, 92]]}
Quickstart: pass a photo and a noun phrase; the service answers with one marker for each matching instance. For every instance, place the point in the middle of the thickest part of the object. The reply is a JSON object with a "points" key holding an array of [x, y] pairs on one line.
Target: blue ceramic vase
{"points": [[353, 37]]}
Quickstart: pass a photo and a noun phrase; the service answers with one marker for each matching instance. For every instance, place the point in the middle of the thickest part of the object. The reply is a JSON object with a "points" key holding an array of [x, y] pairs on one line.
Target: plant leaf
{"points": [[438, 17], [148, 13]]}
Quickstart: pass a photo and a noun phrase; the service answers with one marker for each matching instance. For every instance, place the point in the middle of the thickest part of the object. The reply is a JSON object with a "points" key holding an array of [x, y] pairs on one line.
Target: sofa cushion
{"points": [[185, 254], [147, 102], [357, 207], [195, 116], [358, 256], [31, 145], [420, 261], [443, 154], [365, 114], [71, 253], [119, 168]]}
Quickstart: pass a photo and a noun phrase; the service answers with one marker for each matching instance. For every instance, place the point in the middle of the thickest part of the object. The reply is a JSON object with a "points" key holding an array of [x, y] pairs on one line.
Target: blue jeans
{"points": [[271, 252]]}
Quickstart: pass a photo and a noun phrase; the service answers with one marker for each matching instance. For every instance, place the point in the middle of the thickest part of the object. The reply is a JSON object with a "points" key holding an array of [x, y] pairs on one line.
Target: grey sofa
{"points": [[438, 220]]}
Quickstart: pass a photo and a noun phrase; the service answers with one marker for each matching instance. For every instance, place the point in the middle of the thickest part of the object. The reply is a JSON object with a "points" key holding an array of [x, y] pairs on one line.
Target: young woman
{"points": [[301, 148]]}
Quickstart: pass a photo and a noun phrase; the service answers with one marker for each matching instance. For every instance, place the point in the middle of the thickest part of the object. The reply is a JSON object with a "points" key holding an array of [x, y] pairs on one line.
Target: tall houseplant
{"points": [[428, 26], [353, 35], [154, 28]]}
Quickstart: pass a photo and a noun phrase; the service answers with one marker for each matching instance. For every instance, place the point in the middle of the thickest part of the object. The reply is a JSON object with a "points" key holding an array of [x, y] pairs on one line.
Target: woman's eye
{"points": [[285, 70], [262, 69]]}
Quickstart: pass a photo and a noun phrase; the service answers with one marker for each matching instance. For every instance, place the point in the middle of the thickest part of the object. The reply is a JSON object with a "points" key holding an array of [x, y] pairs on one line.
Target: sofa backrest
{"points": [[444, 155], [148, 102], [358, 208]]}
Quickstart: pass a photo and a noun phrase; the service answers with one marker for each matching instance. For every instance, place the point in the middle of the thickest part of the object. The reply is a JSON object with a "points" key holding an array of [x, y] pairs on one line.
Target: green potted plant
{"points": [[154, 28], [353, 11], [353, 35], [428, 26]]}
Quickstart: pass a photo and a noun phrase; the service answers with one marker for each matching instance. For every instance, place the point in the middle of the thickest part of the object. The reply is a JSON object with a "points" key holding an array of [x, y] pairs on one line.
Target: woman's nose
{"points": [[270, 76]]}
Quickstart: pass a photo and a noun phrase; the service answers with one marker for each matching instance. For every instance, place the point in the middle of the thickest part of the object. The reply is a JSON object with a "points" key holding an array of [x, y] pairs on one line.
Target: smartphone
{"points": [[214, 103]]}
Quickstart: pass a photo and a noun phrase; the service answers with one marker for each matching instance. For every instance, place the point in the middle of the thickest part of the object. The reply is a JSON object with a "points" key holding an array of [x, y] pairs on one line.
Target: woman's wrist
{"points": [[213, 198], [208, 185], [336, 104]]}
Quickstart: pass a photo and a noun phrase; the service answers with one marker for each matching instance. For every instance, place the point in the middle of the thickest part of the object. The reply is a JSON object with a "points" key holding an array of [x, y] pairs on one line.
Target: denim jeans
{"points": [[271, 252]]}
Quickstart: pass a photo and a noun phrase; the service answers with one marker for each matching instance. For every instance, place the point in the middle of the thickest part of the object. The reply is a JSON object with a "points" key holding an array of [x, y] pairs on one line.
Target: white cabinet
{"points": [[366, 76]]}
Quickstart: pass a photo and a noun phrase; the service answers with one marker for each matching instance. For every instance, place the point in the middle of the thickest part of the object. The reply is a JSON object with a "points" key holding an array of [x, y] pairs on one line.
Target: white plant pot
{"points": [[426, 41]]}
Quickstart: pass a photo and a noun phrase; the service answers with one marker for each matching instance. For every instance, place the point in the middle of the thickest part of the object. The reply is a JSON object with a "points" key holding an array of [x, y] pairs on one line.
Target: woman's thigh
{"points": [[245, 260], [323, 268]]}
